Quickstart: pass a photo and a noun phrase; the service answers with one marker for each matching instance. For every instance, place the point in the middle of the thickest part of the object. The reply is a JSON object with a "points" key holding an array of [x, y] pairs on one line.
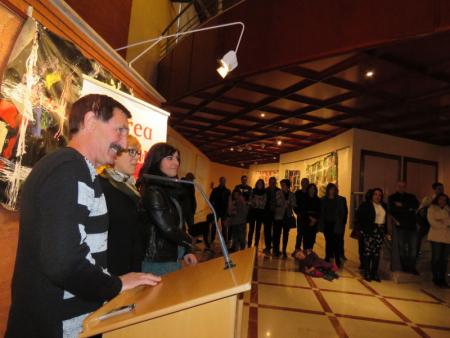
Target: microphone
{"points": [[228, 262]]}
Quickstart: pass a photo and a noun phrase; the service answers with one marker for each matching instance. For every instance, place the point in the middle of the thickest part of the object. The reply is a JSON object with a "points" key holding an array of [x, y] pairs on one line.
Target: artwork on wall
{"points": [[322, 171], [294, 177], [43, 77], [266, 174]]}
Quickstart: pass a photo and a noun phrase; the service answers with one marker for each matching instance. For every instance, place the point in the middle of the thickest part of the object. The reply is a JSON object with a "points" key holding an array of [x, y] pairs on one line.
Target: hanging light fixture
{"points": [[227, 63]]}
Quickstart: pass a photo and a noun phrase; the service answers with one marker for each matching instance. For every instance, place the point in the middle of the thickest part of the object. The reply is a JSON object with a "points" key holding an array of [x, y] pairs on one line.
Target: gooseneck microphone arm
{"points": [[228, 262]]}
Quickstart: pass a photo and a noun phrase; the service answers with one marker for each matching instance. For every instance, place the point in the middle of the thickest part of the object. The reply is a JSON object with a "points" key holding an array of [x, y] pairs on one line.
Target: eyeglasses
{"points": [[132, 152]]}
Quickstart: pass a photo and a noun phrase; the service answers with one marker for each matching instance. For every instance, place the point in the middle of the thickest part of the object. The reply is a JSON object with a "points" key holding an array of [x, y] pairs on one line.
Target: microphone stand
{"points": [[228, 262]]}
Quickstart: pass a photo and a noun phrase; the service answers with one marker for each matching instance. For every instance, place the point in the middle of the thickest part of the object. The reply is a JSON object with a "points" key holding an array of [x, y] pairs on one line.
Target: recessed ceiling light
{"points": [[262, 114], [279, 142], [231, 149], [274, 157], [242, 164], [370, 73]]}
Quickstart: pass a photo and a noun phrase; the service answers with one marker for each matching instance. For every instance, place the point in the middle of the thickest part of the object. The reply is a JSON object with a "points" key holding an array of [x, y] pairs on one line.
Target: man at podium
{"points": [[60, 273]]}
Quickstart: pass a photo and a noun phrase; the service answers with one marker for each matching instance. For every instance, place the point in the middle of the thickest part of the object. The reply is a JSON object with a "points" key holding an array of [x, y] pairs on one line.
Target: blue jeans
{"points": [[163, 268]]}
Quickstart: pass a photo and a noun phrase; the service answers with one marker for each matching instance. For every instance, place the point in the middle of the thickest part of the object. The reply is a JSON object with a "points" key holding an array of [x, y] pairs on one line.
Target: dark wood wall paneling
{"points": [[110, 19], [281, 33]]}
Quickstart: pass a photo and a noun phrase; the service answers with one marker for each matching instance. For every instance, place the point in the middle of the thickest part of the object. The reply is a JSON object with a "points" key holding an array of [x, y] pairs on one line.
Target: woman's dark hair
{"points": [[436, 199], [312, 185], [286, 181], [263, 184], [370, 192], [152, 162], [329, 187]]}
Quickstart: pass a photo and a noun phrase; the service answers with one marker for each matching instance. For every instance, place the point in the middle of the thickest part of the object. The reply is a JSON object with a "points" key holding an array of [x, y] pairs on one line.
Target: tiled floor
{"points": [[284, 303]]}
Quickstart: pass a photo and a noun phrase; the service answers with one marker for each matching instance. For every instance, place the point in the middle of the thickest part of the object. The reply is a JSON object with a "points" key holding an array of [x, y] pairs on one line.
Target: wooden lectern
{"points": [[202, 301]]}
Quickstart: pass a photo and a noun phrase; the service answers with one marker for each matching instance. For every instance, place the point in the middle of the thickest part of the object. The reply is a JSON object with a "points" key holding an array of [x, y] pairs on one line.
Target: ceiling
{"points": [[241, 122]]}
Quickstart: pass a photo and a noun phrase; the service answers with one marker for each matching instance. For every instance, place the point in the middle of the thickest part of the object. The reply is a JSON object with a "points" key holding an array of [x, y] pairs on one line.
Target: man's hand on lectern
{"points": [[133, 279]]}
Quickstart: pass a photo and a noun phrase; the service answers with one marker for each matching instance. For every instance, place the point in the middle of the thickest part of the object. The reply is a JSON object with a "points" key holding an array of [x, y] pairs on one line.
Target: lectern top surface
{"points": [[188, 287]]}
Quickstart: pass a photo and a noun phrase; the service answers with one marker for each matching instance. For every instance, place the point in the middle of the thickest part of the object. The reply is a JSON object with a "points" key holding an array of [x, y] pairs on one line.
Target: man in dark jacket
{"points": [[219, 199], [403, 207], [60, 273], [300, 197], [270, 213]]}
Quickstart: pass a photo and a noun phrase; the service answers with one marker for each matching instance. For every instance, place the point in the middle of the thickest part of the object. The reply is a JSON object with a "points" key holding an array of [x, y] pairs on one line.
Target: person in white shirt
{"points": [[439, 236]]}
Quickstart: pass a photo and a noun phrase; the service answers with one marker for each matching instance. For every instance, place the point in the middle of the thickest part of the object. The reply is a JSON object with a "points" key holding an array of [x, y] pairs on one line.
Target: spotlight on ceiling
{"points": [[227, 63], [248, 147], [262, 115], [370, 73], [263, 145], [231, 149], [279, 142]]}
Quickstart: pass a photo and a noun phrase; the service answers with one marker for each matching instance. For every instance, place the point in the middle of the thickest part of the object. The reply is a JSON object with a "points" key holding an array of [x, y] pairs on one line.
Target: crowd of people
{"points": [[87, 235], [274, 208]]}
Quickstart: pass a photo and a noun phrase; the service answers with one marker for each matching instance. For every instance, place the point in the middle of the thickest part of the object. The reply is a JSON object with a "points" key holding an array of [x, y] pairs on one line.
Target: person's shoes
{"points": [[266, 252], [276, 254], [367, 277], [442, 284], [343, 258], [284, 256], [415, 272], [376, 278]]}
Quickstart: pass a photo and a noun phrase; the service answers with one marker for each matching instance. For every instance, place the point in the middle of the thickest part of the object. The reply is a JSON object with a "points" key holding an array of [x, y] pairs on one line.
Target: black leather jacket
{"points": [[165, 221]]}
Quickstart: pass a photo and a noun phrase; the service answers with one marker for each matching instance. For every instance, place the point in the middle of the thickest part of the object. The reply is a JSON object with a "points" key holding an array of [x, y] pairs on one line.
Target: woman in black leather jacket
{"points": [[372, 222], [167, 240]]}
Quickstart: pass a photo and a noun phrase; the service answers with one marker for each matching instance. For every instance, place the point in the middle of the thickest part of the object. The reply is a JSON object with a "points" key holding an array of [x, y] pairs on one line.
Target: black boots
{"points": [[371, 265], [374, 269], [366, 262]]}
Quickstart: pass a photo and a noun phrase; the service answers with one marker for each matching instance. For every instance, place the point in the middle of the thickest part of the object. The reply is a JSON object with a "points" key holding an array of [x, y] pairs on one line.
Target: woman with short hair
{"points": [[285, 202]]}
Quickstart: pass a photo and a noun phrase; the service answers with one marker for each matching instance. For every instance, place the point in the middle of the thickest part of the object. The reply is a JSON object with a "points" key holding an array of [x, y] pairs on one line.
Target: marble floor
{"points": [[284, 303]]}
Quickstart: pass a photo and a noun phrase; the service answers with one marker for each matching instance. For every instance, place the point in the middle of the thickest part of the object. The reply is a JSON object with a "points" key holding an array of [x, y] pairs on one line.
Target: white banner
{"points": [[148, 122]]}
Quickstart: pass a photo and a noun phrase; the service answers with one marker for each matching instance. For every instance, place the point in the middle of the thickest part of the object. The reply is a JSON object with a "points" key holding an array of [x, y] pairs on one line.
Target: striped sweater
{"points": [[60, 273]]}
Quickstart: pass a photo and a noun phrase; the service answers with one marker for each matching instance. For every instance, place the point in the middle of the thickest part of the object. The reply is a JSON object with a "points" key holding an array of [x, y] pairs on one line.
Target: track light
{"points": [[227, 63]]}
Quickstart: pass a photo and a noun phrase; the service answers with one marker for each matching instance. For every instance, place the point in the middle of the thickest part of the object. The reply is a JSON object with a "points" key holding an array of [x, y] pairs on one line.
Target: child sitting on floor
{"points": [[312, 265]]}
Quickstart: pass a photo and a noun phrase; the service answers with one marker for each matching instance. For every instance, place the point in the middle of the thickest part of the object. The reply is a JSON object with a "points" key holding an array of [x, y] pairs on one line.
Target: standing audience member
{"points": [[125, 245], [219, 199], [168, 243], [258, 200], [271, 205], [237, 209], [60, 272], [371, 216], [244, 188], [422, 219], [300, 197], [439, 236], [284, 217], [310, 218], [438, 189], [403, 207], [333, 217]]}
